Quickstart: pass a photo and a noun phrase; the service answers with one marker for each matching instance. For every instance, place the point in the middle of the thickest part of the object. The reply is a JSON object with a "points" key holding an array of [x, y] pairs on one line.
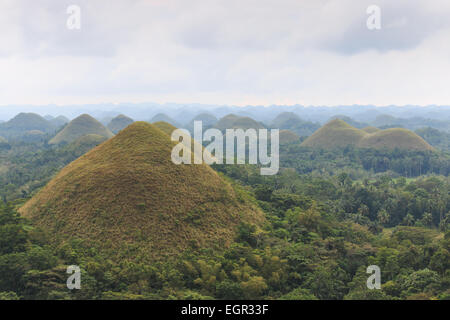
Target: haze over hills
{"points": [[287, 136], [436, 138], [232, 121], [127, 193], [80, 126], [4, 145], [338, 133], [395, 138], [23, 123], [291, 121], [161, 117], [59, 121], [207, 119], [119, 123]]}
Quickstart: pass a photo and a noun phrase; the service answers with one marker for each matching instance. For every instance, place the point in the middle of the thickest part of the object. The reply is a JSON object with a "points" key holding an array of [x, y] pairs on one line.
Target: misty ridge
{"points": [[410, 117]]}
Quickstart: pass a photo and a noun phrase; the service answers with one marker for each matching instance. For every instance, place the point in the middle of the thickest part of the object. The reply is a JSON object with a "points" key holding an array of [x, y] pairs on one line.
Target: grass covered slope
{"points": [[287, 137], [126, 198], [81, 126], [119, 123], [232, 121], [395, 138], [24, 122], [370, 129], [162, 117], [337, 133]]}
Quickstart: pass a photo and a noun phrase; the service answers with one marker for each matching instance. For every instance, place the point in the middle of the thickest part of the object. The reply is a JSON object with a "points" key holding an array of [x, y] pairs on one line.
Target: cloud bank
{"points": [[225, 52]]}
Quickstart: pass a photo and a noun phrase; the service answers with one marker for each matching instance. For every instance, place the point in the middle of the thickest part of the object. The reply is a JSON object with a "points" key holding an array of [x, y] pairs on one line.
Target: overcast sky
{"points": [[310, 52]]}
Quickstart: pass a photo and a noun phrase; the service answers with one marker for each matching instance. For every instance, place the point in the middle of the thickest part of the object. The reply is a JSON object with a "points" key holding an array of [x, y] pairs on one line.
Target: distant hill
{"points": [[394, 138], [33, 136], [370, 129], [119, 123], [24, 122], [81, 126], [87, 142], [350, 121], [337, 133], [129, 201], [208, 121], [287, 137], [165, 118], [4, 145], [436, 138], [232, 121], [291, 121], [414, 123], [59, 121]]}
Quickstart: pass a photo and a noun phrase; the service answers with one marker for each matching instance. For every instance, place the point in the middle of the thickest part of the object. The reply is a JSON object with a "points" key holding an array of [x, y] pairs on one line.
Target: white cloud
{"points": [[225, 52]]}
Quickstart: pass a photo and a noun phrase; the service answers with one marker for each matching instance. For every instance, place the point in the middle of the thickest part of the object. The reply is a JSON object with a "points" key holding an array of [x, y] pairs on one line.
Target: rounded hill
{"points": [[370, 129], [126, 198], [395, 138], [287, 137], [78, 127], [162, 117], [335, 133], [119, 123], [23, 123], [232, 121]]}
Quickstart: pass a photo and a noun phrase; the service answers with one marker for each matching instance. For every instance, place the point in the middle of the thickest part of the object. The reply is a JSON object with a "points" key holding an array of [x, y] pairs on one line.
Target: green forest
{"points": [[329, 214]]}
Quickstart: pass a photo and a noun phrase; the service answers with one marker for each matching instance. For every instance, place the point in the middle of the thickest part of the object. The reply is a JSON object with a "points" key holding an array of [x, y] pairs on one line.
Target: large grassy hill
{"points": [[79, 127], [337, 133], [126, 198]]}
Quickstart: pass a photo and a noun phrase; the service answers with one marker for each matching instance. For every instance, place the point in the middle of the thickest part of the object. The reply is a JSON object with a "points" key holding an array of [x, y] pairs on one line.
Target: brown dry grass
{"points": [[128, 192]]}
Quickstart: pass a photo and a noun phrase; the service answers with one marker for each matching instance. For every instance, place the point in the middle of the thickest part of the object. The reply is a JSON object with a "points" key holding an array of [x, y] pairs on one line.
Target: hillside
{"points": [[394, 138], [337, 133], [4, 145], [285, 120], [287, 137], [438, 139], [24, 122], [232, 121], [78, 127], [208, 121], [126, 198], [291, 121], [162, 117], [370, 129], [59, 121], [119, 123]]}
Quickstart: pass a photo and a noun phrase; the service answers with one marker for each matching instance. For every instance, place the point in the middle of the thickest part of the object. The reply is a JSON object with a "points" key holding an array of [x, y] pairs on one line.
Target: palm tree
{"points": [[383, 216], [408, 220]]}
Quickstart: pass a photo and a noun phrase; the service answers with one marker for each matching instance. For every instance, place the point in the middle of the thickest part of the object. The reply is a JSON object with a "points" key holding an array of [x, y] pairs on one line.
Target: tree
{"points": [[254, 288], [383, 217]]}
